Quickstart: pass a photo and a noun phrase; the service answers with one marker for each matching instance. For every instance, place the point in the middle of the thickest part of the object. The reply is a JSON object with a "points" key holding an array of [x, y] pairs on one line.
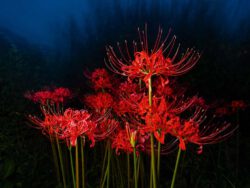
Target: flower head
{"points": [[100, 103], [238, 104], [161, 60], [44, 97], [100, 79]]}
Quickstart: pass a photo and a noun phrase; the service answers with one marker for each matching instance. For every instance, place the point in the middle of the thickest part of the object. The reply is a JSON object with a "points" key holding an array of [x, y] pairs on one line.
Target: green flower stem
{"points": [[150, 91], [128, 169], [77, 165], [72, 166], [151, 181], [151, 138], [61, 161], [82, 157], [119, 180], [55, 158], [138, 161], [176, 167], [103, 176], [153, 161], [158, 159], [135, 169], [108, 166], [107, 171]]}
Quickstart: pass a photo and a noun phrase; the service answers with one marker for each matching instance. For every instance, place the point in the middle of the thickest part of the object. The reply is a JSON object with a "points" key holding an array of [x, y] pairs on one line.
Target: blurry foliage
{"points": [[24, 153]]}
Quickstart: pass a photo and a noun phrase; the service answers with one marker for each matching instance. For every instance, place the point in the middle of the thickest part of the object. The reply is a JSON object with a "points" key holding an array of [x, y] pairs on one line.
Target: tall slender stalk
{"points": [[128, 169], [77, 165], [176, 167], [108, 166], [103, 175], [135, 169], [138, 161], [106, 177], [158, 159], [61, 161], [153, 179], [72, 166], [82, 160], [153, 161], [55, 158]]}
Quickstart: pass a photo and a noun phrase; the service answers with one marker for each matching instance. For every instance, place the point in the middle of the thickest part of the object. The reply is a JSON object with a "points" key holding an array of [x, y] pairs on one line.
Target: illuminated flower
{"points": [[122, 142], [162, 87], [126, 88], [129, 138], [68, 126], [196, 130], [100, 102], [127, 104], [39, 96], [105, 128], [238, 104], [60, 94], [100, 79], [161, 60], [221, 111], [45, 97], [47, 125], [76, 123]]}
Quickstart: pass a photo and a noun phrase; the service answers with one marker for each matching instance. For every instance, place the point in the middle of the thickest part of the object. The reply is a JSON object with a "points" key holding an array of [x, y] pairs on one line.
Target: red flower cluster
{"points": [[238, 104], [43, 97], [148, 103], [68, 126], [163, 111], [230, 108], [100, 79], [100, 103]]}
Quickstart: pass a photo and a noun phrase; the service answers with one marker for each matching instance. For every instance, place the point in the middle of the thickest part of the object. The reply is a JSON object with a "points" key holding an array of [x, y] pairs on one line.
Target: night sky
{"points": [[41, 21]]}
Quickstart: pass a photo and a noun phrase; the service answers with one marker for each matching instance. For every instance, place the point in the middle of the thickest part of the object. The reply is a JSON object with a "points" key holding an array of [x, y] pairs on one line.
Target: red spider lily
{"points": [[100, 79], [100, 102], [39, 97], [156, 118], [238, 104], [127, 95], [48, 124], [127, 104], [105, 128], [129, 138], [45, 97], [161, 60], [76, 123], [69, 126], [60, 94], [122, 142], [127, 88], [222, 111], [162, 87], [195, 130]]}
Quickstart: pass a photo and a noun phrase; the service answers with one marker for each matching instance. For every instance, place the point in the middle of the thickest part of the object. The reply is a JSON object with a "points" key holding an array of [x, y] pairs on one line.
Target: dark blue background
{"points": [[43, 22]]}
